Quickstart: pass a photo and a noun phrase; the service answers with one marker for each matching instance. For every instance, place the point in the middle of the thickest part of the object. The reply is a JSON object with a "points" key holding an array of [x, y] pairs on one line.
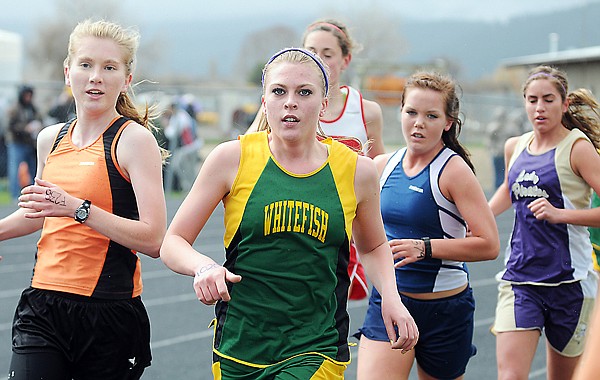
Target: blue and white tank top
{"points": [[413, 208], [540, 252]]}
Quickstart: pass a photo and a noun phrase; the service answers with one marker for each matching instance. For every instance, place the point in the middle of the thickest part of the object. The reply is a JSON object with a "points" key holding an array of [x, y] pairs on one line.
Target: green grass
{"points": [[4, 197]]}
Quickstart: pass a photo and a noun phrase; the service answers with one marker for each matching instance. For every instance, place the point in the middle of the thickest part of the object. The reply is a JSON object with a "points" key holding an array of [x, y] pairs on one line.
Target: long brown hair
{"points": [[448, 88], [583, 110], [338, 29]]}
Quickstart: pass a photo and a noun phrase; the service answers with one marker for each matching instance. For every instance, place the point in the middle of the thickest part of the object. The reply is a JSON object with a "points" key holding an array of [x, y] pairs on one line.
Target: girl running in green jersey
{"points": [[292, 205]]}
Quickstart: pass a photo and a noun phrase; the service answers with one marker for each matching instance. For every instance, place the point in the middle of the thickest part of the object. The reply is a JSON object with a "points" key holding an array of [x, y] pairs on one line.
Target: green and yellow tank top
{"points": [[288, 236]]}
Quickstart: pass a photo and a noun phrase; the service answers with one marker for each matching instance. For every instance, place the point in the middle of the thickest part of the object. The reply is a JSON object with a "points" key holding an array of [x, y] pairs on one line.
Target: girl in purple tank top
{"points": [[548, 283]]}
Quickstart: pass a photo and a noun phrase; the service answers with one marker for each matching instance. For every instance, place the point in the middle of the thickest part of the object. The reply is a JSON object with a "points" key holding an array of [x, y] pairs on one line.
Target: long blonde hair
{"points": [[295, 55], [128, 39]]}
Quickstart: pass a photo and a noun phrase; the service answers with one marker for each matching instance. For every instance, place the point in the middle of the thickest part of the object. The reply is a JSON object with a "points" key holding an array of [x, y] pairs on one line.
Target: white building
{"points": [[11, 69], [11, 59], [581, 65]]}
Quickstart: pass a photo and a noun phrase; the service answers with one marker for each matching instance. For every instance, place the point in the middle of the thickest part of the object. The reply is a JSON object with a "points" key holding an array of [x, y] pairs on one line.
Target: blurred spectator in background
{"points": [[3, 157], [3, 122], [496, 141], [24, 124], [192, 106], [504, 124], [242, 118], [595, 234], [180, 129], [63, 109]]}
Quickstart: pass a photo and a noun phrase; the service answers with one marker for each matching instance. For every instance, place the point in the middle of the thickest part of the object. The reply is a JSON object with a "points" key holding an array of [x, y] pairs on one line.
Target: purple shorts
{"points": [[561, 311]]}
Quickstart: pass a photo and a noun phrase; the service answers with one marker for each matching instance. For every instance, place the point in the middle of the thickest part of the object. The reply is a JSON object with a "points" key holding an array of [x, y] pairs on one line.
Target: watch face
{"points": [[82, 213]]}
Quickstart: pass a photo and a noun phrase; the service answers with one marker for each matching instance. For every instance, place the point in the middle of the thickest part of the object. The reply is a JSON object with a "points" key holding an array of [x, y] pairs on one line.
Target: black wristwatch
{"points": [[427, 243], [82, 212]]}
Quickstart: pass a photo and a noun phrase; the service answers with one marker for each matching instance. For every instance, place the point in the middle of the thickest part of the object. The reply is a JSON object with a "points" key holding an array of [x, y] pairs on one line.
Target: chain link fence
{"points": [[226, 111]]}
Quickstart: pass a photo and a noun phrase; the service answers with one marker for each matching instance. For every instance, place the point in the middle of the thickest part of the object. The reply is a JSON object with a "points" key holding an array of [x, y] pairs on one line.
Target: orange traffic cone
{"points": [[24, 177]]}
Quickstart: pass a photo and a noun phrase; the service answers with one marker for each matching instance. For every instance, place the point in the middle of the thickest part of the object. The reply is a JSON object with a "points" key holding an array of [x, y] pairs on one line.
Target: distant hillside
{"points": [[479, 47], [209, 49]]}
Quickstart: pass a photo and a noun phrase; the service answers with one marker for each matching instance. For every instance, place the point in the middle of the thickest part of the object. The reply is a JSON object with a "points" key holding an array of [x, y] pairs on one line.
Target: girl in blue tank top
{"points": [[429, 195]]}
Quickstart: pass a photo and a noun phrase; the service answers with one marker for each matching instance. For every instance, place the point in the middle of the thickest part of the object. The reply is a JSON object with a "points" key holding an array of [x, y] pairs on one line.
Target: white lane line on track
{"points": [[209, 333], [181, 339], [12, 268], [190, 296], [483, 322], [160, 273], [11, 293], [538, 373], [160, 301], [5, 326], [483, 282]]}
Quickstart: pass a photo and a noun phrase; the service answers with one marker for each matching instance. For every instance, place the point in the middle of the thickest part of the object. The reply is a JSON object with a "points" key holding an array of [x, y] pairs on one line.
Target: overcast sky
{"points": [[197, 37], [491, 10]]}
